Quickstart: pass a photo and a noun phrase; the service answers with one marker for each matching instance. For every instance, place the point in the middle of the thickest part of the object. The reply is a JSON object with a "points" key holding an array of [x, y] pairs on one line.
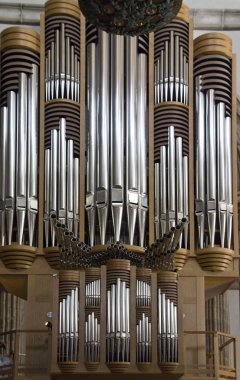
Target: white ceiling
{"points": [[213, 4], [194, 4]]}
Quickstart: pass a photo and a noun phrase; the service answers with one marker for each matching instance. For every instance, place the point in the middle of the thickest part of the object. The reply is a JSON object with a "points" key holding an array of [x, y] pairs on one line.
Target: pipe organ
{"points": [[108, 182]]}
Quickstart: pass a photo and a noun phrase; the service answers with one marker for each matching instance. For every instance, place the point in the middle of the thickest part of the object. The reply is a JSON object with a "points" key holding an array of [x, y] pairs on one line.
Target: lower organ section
{"points": [[116, 309]]}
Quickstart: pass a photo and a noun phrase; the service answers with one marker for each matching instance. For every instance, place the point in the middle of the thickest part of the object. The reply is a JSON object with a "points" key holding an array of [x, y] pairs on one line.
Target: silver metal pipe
{"points": [[52, 76], [62, 59], [92, 136], [62, 180], [53, 177], [123, 307], [163, 189], [211, 164], [171, 65], [76, 196], [228, 163], [76, 311], [157, 201], [156, 79], [108, 311], [161, 86], [166, 74], [11, 162], [3, 170], [222, 205], [179, 178], [57, 63], [32, 189], [113, 308], [103, 135], [185, 79], [185, 198], [47, 195], [176, 57], [72, 73], [181, 71], [76, 81], [70, 174], [117, 132], [118, 306], [49, 75], [46, 79], [200, 161], [21, 159], [68, 64], [142, 146], [168, 327], [131, 136], [171, 177]]}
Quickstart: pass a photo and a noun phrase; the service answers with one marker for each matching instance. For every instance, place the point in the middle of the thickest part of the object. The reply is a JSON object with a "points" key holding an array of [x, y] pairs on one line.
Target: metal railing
{"points": [[25, 353], [210, 354]]}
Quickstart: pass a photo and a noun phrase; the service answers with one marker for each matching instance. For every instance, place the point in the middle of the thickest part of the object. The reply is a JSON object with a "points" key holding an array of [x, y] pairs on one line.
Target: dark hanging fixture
{"points": [[130, 17]]}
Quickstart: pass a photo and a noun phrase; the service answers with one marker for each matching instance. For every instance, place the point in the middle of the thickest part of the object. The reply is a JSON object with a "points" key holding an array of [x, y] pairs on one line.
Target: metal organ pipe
{"points": [[21, 158], [92, 135], [3, 160], [200, 161], [117, 132], [222, 207], [142, 145], [131, 136], [228, 163], [11, 162], [32, 196], [211, 164], [62, 170], [103, 136]]}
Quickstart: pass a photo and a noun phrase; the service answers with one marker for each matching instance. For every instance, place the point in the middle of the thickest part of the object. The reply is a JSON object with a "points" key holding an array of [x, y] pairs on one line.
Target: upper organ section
{"points": [[20, 48], [62, 50], [171, 60], [62, 116], [213, 142], [172, 126], [117, 135]]}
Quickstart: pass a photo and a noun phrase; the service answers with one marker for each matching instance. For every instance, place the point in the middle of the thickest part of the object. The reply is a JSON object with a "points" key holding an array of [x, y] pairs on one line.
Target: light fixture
{"points": [[130, 17], [48, 324]]}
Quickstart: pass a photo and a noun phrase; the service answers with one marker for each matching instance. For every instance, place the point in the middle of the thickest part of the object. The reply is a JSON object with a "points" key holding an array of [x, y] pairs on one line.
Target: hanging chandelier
{"points": [[129, 17]]}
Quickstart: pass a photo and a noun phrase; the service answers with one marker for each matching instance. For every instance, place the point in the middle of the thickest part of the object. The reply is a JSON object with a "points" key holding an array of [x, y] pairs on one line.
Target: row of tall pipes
{"points": [[214, 199], [62, 68], [167, 329], [19, 162], [171, 71], [92, 293], [144, 339], [118, 322], [143, 295], [92, 339], [117, 155], [118, 328], [171, 188], [61, 184], [68, 327]]}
